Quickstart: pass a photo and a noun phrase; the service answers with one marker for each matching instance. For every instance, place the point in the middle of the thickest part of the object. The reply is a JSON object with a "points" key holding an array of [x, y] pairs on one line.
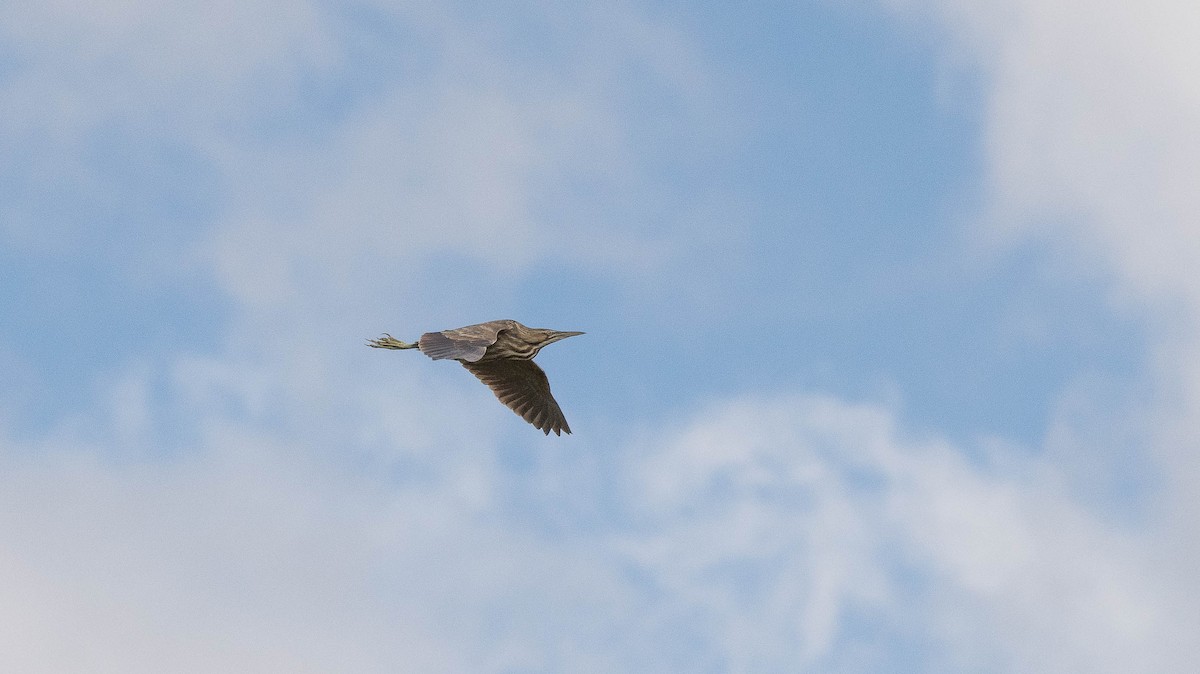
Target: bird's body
{"points": [[500, 354]]}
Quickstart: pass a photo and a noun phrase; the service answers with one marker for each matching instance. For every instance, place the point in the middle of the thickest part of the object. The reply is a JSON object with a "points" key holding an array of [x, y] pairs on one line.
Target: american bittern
{"points": [[501, 354]]}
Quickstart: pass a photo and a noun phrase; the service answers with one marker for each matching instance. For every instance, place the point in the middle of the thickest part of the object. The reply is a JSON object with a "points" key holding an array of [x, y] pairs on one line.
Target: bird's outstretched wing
{"points": [[524, 388], [467, 343]]}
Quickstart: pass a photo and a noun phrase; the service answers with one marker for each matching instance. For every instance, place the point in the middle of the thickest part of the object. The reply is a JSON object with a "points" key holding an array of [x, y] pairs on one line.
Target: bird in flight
{"points": [[500, 354]]}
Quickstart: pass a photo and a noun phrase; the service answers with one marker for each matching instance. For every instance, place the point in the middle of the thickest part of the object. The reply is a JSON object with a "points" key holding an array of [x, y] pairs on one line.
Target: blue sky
{"points": [[890, 360]]}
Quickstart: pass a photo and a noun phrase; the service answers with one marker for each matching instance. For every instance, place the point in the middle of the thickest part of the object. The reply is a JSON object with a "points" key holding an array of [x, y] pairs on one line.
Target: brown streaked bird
{"points": [[500, 354]]}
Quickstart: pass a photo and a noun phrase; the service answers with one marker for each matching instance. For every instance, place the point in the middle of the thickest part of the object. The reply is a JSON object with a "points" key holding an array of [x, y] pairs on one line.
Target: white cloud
{"points": [[1091, 127], [96, 82], [191, 150], [464, 149], [781, 517], [90, 63], [472, 159], [246, 560], [750, 536], [1092, 134], [259, 545]]}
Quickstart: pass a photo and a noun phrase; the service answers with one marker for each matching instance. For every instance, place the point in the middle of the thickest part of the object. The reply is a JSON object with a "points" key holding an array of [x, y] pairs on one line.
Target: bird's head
{"points": [[540, 337]]}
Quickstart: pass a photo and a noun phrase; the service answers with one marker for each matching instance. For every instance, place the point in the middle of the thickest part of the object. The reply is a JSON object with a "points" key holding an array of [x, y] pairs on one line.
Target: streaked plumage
{"points": [[500, 354]]}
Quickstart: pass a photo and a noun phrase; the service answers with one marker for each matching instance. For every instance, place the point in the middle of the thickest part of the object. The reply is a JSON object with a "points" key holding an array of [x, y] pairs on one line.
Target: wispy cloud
{"points": [[783, 522], [264, 493], [1092, 146], [784, 519]]}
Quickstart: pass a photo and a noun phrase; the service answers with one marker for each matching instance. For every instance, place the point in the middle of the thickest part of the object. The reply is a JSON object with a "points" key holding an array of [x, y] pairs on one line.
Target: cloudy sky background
{"points": [[892, 363]]}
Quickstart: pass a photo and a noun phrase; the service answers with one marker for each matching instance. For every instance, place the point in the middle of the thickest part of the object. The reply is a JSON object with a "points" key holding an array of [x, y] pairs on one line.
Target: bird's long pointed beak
{"points": [[563, 335]]}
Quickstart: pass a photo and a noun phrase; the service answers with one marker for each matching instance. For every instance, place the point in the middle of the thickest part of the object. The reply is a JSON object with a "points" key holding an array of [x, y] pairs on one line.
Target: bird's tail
{"points": [[389, 342]]}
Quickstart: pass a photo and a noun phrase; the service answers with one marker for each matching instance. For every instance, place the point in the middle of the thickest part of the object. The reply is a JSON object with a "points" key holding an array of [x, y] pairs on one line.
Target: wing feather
{"points": [[524, 388], [469, 343]]}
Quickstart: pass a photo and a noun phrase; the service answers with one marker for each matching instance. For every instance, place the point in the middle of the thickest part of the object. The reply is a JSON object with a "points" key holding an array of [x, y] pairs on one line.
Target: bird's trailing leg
{"points": [[389, 342]]}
